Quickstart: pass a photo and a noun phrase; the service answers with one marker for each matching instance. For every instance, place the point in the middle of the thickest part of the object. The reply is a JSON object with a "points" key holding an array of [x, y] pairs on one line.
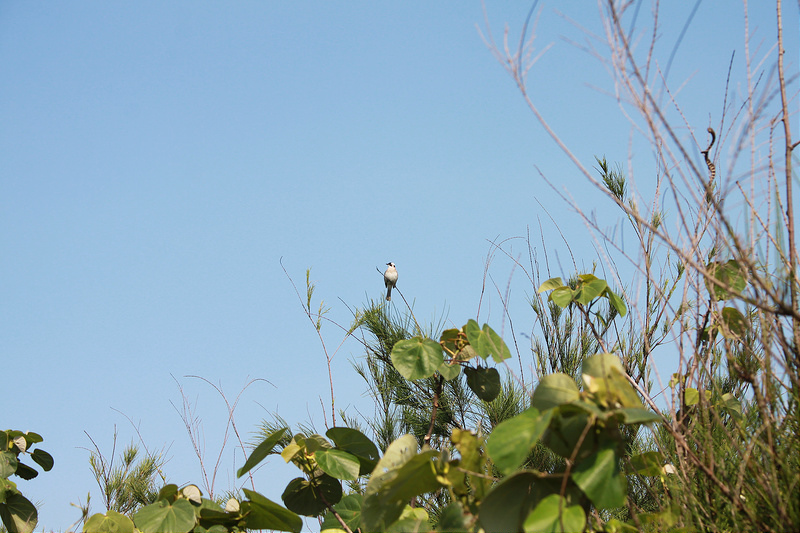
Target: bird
{"points": [[390, 280]]}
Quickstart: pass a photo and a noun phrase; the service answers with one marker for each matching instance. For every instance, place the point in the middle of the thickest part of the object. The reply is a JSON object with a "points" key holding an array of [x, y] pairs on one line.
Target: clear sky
{"points": [[158, 159]]}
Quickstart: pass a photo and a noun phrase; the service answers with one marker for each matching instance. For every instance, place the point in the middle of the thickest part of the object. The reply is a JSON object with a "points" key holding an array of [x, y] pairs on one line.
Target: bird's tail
{"points": [[389, 293]]}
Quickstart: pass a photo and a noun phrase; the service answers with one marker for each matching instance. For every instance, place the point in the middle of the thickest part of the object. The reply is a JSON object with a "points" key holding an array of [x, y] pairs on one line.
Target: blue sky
{"points": [[158, 159]]}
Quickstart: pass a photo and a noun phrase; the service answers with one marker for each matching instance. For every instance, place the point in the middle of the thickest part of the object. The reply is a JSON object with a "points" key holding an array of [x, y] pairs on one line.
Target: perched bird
{"points": [[390, 280]]}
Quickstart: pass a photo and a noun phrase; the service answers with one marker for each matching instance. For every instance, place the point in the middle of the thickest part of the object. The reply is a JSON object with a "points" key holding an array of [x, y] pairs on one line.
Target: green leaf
{"points": [[168, 493], [466, 442], [163, 517], [396, 455], [43, 459], [691, 396], [598, 476], [508, 503], [296, 446], [316, 442], [554, 390], [484, 382], [263, 513], [349, 508], [451, 519], [473, 332], [400, 475], [449, 371], [18, 514], [562, 296], [512, 440], [732, 405], [550, 284], [417, 358], [567, 431], [486, 342], [734, 322], [378, 514], [262, 450], [600, 365], [646, 464], [111, 522], [730, 274], [553, 514], [32, 438], [356, 443], [590, 288], [616, 302], [604, 377], [308, 498], [8, 464], [415, 477], [473, 461], [338, 463], [25, 472], [492, 342]]}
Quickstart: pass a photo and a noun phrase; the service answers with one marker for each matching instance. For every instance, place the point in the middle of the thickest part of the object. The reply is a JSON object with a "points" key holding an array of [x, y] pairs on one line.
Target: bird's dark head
{"points": [[390, 264]]}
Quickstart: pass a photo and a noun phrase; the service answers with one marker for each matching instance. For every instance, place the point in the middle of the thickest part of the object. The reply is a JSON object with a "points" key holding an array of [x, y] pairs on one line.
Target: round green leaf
{"points": [[566, 432], [589, 288], [8, 464], [451, 519], [449, 371], [43, 459], [163, 517], [553, 515], [736, 325], [486, 342], [691, 396], [504, 508], [417, 358], [19, 514], [111, 522], [484, 382], [598, 476], [25, 472], [729, 274], [304, 497], [600, 365], [512, 440], [338, 464], [646, 464], [562, 296], [554, 390], [168, 492], [358, 444]]}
